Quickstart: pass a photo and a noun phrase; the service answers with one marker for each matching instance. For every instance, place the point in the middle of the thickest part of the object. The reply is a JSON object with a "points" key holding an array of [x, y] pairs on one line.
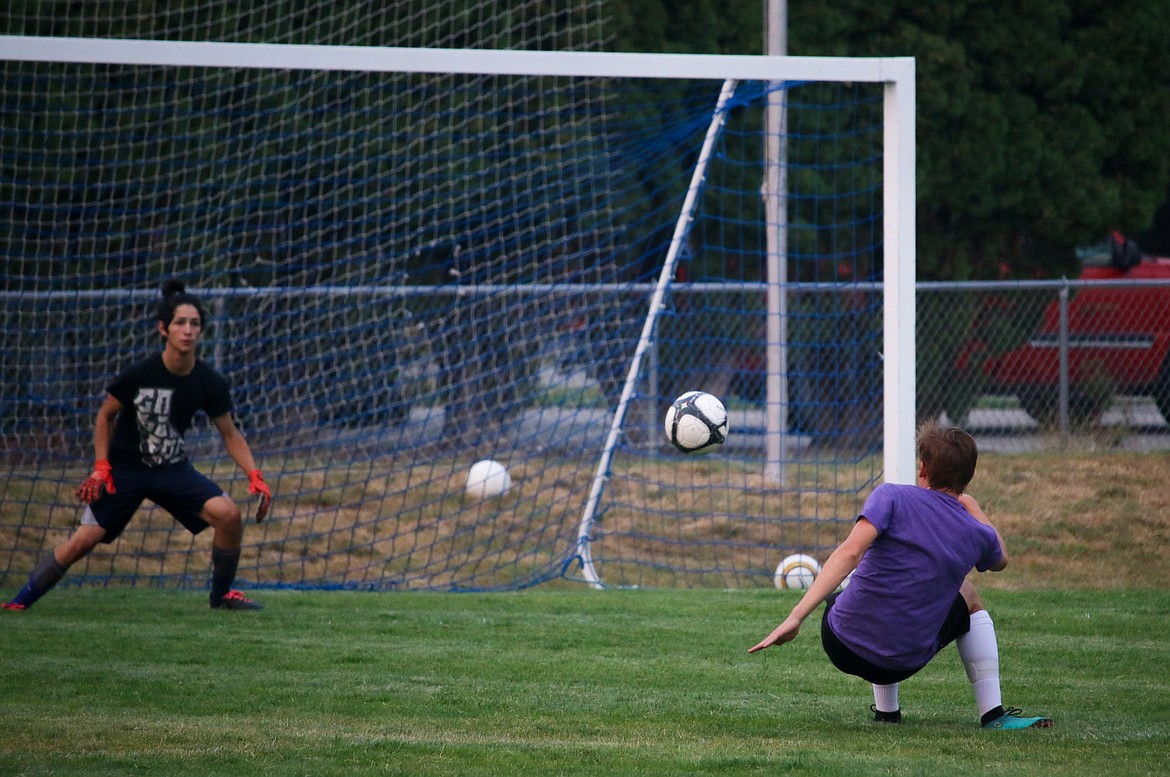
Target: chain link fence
{"points": [[1018, 363], [1050, 358]]}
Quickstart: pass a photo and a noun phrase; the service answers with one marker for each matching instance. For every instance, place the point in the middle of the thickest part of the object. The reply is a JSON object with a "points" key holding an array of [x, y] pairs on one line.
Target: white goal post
{"points": [[896, 73], [896, 76]]}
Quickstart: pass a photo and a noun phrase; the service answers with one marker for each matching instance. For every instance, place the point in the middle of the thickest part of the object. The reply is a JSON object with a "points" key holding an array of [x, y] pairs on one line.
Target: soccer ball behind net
{"points": [[488, 478], [696, 422], [796, 571]]}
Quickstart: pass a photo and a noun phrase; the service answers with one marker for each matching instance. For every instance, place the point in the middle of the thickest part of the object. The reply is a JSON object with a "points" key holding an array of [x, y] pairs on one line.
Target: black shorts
{"points": [[178, 488], [957, 623]]}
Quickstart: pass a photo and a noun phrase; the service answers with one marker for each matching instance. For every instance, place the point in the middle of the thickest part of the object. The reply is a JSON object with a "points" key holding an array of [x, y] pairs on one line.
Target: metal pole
{"points": [[775, 189], [1063, 350], [682, 230]]}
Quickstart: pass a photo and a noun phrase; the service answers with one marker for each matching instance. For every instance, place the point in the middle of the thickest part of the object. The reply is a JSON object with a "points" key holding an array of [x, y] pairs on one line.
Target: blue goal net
{"points": [[408, 273]]}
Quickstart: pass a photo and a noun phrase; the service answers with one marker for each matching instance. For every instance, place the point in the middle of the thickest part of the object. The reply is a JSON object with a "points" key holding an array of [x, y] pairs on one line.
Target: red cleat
{"points": [[235, 600]]}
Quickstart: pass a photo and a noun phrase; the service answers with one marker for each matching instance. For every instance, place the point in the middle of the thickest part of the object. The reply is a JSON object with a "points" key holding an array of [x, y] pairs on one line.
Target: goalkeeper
{"points": [[912, 548], [140, 454]]}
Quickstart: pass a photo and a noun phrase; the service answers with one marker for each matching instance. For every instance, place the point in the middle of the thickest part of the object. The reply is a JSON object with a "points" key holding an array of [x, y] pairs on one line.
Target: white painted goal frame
{"points": [[896, 74]]}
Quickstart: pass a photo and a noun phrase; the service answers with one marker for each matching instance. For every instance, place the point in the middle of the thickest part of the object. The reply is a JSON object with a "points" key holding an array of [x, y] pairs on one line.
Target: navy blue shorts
{"points": [[957, 623], [178, 488]]}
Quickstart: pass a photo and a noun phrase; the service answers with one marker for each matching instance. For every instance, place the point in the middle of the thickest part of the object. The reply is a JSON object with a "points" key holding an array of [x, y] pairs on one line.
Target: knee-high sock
{"points": [[979, 651], [885, 697], [48, 573], [223, 571]]}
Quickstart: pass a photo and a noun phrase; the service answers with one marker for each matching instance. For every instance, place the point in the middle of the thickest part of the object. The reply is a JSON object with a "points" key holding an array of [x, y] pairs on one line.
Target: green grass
{"points": [[553, 681]]}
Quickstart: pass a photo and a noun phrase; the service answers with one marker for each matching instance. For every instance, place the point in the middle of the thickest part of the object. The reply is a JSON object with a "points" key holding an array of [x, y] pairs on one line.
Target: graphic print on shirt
{"points": [[160, 443]]}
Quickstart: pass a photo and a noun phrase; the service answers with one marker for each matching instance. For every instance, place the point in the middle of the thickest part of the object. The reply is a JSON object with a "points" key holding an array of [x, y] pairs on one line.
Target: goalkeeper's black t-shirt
{"points": [[158, 407]]}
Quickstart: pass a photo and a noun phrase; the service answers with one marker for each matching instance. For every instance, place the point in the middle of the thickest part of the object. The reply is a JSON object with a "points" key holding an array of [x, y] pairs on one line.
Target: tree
{"points": [[1037, 127], [1042, 124]]}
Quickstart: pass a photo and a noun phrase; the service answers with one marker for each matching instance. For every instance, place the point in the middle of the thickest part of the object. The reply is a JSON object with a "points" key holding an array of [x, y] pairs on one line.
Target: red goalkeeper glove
{"points": [[101, 479], [257, 486]]}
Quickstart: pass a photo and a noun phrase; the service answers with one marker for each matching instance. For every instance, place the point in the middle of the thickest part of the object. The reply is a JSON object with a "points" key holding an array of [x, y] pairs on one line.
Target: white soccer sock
{"points": [[885, 697], [979, 650]]}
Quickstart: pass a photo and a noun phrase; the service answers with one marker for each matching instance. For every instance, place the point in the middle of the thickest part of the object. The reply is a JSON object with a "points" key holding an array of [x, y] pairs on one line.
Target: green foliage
{"points": [[1039, 124], [693, 27], [1036, 127], [569, 682], [178, 149]]}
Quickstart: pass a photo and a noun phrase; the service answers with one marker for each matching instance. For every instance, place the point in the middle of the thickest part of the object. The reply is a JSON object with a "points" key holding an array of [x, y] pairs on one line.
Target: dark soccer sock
{"points": [[991, 715], [223, 572], [46, 575]]}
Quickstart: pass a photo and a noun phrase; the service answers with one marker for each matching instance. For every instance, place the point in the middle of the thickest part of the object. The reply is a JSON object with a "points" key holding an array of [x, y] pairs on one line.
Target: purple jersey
{"points": [[900, 593]]}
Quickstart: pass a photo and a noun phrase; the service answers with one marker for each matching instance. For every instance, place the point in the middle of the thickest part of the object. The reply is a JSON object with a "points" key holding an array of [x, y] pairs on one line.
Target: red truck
{"points": [[1118, 341]]}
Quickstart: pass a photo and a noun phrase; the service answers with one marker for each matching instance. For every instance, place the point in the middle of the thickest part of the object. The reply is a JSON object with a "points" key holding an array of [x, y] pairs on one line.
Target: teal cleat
{"points": [[1011, 720]]}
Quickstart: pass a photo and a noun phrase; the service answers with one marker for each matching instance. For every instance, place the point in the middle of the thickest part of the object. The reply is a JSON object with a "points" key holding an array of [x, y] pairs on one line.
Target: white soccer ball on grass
{"points": [[796, 571], [488, 479]]}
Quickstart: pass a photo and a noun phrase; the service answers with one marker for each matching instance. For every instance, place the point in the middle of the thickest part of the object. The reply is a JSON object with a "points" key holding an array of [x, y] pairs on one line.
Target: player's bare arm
{"points": [[234, 442], [100, 480], [103, 426], [976, 511], [241, 453], [837, 567]]}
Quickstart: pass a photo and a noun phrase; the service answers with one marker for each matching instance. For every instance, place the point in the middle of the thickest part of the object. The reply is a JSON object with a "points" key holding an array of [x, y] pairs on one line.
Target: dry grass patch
{"points": [[1098, 520]]}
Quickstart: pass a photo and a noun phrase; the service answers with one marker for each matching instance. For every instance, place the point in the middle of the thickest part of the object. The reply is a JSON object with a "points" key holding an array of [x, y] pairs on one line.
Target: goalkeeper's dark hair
{"points": [[949, 455], [174, 293]]}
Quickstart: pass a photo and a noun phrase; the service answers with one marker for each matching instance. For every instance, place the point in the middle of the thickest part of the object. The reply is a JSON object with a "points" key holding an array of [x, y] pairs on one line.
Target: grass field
{"points": [[553, 681], [564, 680]]}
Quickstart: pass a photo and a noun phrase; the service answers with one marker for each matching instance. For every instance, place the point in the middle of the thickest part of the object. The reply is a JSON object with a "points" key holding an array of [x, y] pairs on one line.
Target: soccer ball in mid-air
{"points": [[488, 478], [696, 422], [796, 571]]}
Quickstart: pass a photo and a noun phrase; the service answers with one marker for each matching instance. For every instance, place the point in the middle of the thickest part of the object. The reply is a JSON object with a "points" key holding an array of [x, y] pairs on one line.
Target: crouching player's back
{"points": [[909, 553]]}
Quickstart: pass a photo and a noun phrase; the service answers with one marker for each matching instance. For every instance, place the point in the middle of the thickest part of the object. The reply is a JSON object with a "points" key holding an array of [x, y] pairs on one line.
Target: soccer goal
{"points": [[417, 259]]}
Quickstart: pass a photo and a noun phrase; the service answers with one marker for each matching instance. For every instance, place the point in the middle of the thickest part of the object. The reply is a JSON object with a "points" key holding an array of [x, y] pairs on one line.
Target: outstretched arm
{"points": [[235, 442], [837, 567], [241, 453], [101, 480]]}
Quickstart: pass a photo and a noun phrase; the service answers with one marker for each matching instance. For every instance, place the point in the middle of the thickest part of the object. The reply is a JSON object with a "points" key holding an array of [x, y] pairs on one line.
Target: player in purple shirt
{"points": [[909, 554]]}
